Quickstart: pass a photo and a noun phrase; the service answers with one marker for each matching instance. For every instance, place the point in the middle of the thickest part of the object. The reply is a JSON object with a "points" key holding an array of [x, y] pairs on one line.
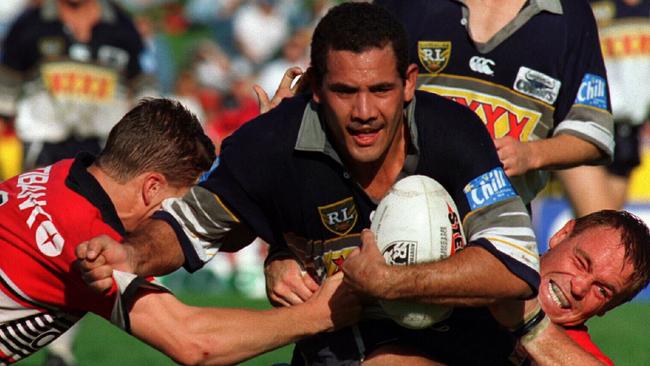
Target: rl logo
{"points": [[339, 217], [434, 56]]}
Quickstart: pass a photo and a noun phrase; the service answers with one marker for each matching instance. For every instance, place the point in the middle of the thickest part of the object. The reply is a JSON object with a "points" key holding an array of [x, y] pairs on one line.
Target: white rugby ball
{"points": [[417, 222]]}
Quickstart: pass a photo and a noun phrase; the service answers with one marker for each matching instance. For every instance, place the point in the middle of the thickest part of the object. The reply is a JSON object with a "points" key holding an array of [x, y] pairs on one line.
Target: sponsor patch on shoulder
{"points": [[537, 85], [592, 91], [488, 188]]}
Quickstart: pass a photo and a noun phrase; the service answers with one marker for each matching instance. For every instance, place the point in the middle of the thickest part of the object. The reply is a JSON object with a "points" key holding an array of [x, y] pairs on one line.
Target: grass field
{"points": [[624, 334]]}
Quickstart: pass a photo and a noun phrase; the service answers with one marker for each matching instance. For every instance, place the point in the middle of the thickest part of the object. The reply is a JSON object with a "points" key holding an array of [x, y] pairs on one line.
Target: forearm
{"points": [[213, 336], [550, 345], [472, 277], [154, 249], [563, 151]]}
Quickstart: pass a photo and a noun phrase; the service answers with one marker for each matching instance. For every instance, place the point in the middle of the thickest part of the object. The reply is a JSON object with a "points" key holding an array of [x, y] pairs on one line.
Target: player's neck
{"points": [[124, 196], [376, 178], [80, 18], [487, 17]]}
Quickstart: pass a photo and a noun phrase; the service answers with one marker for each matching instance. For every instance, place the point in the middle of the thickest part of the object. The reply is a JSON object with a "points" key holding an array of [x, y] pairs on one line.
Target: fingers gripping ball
{"points": [[417, 222]]}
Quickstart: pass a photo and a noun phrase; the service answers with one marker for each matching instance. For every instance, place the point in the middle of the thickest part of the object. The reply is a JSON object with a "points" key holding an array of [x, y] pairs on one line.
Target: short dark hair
{"points": [[635, 237], [158, 135], [357, 27]]}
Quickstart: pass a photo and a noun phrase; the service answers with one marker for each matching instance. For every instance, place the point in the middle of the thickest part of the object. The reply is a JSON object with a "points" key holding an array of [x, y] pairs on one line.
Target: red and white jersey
{"points": [[44, 215]]}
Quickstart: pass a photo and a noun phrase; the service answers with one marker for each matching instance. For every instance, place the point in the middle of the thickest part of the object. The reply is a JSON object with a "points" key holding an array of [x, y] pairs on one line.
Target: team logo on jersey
{"points": [[434, 56], [333, 260], [488, 188], [501, 116], [339, 217], [51, 47], [401, 253], [592, 92], [537, 85], [481, 65], [48, 239], [4, 197]]}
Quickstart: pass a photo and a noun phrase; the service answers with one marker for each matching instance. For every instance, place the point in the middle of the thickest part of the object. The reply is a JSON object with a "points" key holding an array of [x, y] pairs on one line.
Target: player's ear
{"points": [[562, 234], [153, 186], [410, 82]]}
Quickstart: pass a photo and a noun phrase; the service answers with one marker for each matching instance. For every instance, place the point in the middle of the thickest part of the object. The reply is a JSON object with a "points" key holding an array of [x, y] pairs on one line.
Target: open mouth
{"points": [[557, 295], [365, 137]]}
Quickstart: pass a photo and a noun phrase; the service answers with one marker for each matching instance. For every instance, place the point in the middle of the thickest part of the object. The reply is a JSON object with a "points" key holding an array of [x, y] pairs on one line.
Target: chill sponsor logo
{"points": [[537, 85], [488, 188], [592, 92], [501, 117], [401, 253], [4, 197], [32, 197], [72, 81], [434, 56], [481, 65], [457, 238], [339, 217]]}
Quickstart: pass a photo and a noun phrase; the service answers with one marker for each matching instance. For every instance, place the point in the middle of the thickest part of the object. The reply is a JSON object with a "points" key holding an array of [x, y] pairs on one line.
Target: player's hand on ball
{"points": [[285, 90], [97, 258], [365, 269], [287, 284], [516, 156], [340, 304]]}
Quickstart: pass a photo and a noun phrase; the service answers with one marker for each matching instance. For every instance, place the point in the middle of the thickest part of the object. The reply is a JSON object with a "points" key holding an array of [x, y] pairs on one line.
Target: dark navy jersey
{"points": [[280, 179], [58, 86], [541, 75]]}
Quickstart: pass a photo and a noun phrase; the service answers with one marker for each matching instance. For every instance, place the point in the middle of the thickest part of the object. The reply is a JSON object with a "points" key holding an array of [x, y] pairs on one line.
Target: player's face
{"points": [[363, 98], [582, 274]]}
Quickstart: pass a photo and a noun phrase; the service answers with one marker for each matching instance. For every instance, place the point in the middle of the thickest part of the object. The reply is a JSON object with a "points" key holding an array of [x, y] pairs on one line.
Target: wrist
{"points": [[532, 326]]}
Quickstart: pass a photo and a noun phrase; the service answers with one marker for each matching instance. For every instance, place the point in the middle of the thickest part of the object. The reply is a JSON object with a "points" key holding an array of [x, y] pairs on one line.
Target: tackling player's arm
{"points": [[211, 336], [546, 343]]}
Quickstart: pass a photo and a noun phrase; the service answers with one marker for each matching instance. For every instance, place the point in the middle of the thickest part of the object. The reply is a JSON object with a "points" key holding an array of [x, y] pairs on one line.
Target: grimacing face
{"points": [[363, 97], [583, 275]]}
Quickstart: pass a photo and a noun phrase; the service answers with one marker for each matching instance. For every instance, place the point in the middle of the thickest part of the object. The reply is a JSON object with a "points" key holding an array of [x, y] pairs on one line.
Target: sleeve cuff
{"points": [[526, 273], [192, 260]]}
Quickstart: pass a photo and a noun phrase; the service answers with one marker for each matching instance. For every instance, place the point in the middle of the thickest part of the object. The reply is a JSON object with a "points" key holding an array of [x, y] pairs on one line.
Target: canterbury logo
{"points": [[482, 65]]}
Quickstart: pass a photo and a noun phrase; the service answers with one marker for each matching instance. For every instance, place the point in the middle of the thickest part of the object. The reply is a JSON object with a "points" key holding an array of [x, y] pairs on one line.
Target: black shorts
{"points": [[37, 154], [626, 152], [469, 337]]}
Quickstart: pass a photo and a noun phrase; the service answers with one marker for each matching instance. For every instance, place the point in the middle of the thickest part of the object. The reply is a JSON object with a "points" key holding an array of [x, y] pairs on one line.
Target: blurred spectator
{"points": [[294, 53], [9, 9], [68, 70], [239, 106], [157, 58], [216, 14], [187, 91], [260, 30]]}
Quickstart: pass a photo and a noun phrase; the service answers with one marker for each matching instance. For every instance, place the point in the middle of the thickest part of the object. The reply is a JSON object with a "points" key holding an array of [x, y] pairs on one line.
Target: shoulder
{"points": [[578, 14], [434, 113]]}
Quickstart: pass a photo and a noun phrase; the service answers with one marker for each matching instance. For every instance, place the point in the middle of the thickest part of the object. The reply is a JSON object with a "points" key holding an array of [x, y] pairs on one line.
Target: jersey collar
{"points": [[50, 12], [530, 9], [82, 182]]}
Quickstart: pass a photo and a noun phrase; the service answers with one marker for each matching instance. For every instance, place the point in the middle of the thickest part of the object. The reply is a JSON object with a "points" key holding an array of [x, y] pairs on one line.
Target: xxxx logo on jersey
{"points": [[334, 260], [339, 217], [434, 56], [501, 117], [75, 81]]}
